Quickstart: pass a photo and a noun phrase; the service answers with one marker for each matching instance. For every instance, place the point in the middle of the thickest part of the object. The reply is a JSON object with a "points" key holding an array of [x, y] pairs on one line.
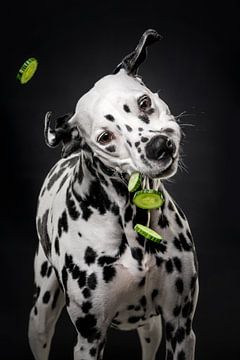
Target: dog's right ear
{"points": [[61, 131], [132, 61]]}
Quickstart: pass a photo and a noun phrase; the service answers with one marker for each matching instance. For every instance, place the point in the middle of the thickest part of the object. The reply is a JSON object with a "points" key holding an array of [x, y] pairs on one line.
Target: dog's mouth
{"points": [[162, 170]]}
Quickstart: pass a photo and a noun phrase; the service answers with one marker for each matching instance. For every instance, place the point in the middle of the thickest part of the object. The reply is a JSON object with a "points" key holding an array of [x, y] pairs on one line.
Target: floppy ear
{"points": [[62, 130], [132, 61]]}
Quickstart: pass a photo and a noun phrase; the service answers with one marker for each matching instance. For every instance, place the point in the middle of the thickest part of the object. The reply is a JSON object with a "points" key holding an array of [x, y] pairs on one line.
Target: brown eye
{"points": [[105, 137], [144, 103]]}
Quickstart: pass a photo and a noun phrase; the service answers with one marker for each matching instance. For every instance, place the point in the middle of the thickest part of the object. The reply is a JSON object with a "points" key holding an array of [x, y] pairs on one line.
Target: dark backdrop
{"points": [[196, 68]]}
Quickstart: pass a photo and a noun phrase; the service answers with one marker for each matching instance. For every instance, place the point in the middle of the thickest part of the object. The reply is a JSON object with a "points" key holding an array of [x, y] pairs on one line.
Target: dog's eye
{"points": [[144, 102], [105, 137]]}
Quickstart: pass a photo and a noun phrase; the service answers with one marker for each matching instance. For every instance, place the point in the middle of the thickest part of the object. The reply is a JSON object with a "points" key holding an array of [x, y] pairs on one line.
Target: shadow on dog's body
{"points": [[89, 258]]}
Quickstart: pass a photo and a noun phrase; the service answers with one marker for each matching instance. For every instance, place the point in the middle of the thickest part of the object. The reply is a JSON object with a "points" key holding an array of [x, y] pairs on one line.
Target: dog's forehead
{"points": [[110, 88]]}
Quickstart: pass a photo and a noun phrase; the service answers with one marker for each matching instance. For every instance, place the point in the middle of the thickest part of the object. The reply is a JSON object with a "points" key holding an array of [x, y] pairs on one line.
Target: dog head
{"points": [[127, 126]]}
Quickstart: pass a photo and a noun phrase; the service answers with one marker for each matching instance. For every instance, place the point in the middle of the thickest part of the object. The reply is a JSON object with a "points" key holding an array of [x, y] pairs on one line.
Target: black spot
{"points": [[143, 301], [86, 306], [92, 281], [93, 351], [178, 220], [148, 340], [46, 297], [90, 255], [120, 188], [86, 293], [177, 310], [144, 118], [179, 285], [181, 355], [108, 273], [82, 279], [111, 148], [55, 177], [128, 128], [115, 209], [154, 293], [44, 268], [180, 334], [106, 260], [137, 308], [187, 309], [159, 261], [86, 327], [150, 111], [137, 143], [62, 182], [163, 221], [128, 213], [126, 108], [169, 330], [140, 129], [174, 343], [119, 128], [123, 244], [109, 117], [49, 271], [142, 282], [133, 319], [35, 311], [189, 235], [79, 234], [130, 307], [170, 206], [169, 266], [169, 355], [42, 230], [62, 223], [129, 143], [177, 244], [188, 326], [55, 298], [193, 282], [144, 139], [137, 254], [177, 263], [139, 150], [44, 346], [185, 245], [64, 277], [56, 245], [72, 210]]}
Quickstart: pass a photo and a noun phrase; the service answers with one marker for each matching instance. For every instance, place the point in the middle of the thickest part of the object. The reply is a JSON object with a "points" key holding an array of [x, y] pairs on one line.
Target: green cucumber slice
{"points": [[27, 70], [134, 182], [147, 233], [148, 199]]}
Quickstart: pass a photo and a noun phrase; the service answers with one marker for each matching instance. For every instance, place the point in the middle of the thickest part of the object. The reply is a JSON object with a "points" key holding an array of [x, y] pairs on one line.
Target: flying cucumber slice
{"points": [[148, 233], [27, 70], [134, 182], [148, 199]]}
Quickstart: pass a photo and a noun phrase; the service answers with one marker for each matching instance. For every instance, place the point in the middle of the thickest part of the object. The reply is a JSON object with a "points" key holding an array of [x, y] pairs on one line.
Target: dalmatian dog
{"points": [[89, 258]]}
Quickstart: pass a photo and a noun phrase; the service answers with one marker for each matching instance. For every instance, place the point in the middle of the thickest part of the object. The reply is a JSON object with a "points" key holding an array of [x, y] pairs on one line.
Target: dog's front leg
{"points": [[180, 337], [150, 337]]}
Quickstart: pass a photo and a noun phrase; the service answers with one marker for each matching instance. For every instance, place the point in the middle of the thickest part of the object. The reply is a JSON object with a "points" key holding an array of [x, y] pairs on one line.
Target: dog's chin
{"points": [[164, 172]]}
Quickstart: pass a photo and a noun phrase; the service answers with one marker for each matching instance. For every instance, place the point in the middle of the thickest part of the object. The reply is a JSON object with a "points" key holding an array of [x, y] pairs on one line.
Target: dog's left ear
{"points": [[132, 61]]}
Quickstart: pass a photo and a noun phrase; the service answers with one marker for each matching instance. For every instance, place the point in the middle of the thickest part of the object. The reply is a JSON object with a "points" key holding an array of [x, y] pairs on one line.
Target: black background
{"points": [[196, 68]]}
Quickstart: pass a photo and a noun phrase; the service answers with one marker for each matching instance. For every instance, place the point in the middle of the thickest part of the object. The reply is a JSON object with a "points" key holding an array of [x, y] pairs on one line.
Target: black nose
{"points": [[160, 147]]}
